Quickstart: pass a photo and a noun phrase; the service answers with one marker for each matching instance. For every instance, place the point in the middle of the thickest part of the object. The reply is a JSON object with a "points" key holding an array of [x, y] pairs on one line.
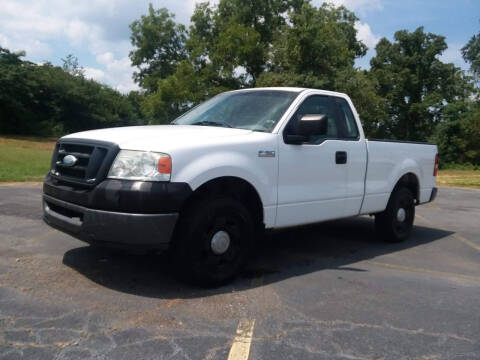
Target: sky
{"points": [[97, 31]]}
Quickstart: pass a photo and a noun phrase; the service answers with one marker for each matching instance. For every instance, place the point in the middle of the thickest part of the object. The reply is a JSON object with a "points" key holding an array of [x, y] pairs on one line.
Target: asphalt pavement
{"points": [[328, 291]]}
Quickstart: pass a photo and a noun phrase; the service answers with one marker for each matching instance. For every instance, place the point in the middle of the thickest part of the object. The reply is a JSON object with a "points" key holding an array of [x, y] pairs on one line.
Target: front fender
{"points": [[259, 172]]}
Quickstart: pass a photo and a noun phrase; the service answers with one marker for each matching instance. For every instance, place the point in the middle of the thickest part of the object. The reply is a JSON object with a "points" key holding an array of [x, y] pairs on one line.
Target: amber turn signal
{"points": [[165, 165]]}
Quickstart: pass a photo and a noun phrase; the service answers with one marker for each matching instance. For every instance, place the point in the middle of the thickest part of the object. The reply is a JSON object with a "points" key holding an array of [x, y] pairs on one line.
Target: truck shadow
{"points": [[284, 254]]}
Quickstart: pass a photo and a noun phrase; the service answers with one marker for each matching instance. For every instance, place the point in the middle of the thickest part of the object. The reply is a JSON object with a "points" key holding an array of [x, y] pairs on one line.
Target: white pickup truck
{"points": [[208, 184]]}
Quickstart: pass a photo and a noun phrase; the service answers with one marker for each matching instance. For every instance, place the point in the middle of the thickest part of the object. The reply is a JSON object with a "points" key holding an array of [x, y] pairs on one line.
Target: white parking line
{"points": [[240, 349]]}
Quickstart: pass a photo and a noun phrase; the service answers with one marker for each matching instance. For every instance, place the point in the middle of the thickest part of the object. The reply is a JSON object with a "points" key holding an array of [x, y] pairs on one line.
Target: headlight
{"points": [[141, 165]]}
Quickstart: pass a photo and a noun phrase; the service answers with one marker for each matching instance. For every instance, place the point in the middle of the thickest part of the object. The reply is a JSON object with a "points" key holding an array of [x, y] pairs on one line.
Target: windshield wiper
{"points": [[212, 123]]}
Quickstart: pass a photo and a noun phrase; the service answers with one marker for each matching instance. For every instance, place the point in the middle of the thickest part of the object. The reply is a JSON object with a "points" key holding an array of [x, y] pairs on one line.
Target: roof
{"points": [[294, 89]]}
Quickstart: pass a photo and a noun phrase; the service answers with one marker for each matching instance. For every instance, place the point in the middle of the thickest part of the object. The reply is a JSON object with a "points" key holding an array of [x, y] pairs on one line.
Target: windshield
{"points": [[258, 110]]}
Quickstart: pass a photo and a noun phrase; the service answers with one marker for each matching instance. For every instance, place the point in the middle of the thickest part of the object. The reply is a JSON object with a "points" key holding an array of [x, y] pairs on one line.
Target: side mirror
{"points": [[312, 124]]}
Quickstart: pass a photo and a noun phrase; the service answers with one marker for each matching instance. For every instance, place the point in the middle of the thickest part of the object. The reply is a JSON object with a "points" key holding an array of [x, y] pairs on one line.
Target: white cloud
{"points": [[365, 34], [117, 73], [105, 58], [35, 47], [4, 41], [95, 74], [78, 30]]}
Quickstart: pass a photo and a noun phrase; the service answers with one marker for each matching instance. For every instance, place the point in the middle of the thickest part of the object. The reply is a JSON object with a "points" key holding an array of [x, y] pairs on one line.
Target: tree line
{"points": [[47, 100], [408, 93]]}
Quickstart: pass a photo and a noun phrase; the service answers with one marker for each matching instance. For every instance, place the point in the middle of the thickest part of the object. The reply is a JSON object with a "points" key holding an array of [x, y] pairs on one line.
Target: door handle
{"points": [[341, 157]]}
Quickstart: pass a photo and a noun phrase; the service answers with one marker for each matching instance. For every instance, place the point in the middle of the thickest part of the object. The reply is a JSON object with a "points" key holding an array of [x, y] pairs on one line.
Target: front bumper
{"points": [[108, 228], [116, 213]]}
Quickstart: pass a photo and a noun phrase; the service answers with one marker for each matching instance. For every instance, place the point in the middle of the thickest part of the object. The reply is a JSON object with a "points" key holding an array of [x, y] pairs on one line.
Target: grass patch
{"points": [[459, 178], [24, 158], [452, 166]]}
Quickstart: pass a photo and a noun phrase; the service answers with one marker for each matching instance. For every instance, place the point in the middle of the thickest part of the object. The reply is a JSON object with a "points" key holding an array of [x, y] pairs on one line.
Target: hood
{"points": [[155, 137]]}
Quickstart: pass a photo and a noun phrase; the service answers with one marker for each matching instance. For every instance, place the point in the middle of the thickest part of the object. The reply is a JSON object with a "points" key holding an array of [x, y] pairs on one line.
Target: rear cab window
{"points": [[348, 125]]}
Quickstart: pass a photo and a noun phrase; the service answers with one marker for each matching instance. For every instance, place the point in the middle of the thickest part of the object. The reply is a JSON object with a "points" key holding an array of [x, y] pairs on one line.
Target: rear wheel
{"points": [[396, 222], [212, 241]]}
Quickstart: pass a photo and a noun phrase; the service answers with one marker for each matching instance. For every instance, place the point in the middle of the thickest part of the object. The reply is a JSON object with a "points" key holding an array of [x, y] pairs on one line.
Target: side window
{"points": [[348, 125], [316, 104]]}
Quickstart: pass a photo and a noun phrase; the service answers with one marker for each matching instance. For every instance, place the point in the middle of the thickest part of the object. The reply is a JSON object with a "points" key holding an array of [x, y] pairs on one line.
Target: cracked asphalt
{"points": [[329, 291]]}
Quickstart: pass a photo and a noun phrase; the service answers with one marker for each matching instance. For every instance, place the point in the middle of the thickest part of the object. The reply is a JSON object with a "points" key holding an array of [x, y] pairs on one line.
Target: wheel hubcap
{"points": [[220, 242], [401, 215]]}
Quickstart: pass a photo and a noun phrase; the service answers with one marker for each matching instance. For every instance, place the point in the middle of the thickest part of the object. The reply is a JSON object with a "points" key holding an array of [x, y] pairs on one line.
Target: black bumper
{"points": [[116, 213], [433, 195]]}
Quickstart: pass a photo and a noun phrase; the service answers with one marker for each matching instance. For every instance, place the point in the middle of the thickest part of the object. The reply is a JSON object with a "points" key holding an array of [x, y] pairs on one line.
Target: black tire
{"points": [[391, 226], [193, 252]]}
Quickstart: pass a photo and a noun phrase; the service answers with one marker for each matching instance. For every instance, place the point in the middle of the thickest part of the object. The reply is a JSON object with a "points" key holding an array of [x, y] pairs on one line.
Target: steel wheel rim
{"points": [[220, 242], [403, 217], [207, 258]]}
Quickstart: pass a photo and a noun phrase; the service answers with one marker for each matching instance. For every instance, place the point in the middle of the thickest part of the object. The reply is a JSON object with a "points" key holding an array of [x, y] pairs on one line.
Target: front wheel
{"points": [[396, 222], [213, 240]]}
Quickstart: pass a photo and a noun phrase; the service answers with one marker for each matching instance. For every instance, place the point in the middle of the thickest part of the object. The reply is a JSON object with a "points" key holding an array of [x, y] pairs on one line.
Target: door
{"points": [[313, 176]]}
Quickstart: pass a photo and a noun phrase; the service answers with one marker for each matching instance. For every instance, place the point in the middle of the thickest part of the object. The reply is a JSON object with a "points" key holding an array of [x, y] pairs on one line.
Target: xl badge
{"points": [[69, 160]]}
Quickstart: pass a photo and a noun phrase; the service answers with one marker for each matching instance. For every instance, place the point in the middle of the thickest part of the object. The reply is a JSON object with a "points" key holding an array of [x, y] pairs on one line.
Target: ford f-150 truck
{"points": [[207, 185]]}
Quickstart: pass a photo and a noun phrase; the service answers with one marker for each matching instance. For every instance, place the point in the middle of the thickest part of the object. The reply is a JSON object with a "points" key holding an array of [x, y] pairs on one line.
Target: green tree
{"points": [[458, 134], [71, 66], [230, 44], [415, 83], [246, 31], [362, 86], [10, 58], [314, 46], [159, 47], [47, 100], [471, 54], [174, 95]]}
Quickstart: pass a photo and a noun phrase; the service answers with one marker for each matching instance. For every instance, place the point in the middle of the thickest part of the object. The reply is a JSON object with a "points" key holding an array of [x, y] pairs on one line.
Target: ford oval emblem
{"points": [[69, 160]]}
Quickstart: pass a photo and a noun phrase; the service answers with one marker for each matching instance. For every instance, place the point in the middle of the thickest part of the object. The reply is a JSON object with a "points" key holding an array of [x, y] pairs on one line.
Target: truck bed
{"points": [[388, 161]]}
